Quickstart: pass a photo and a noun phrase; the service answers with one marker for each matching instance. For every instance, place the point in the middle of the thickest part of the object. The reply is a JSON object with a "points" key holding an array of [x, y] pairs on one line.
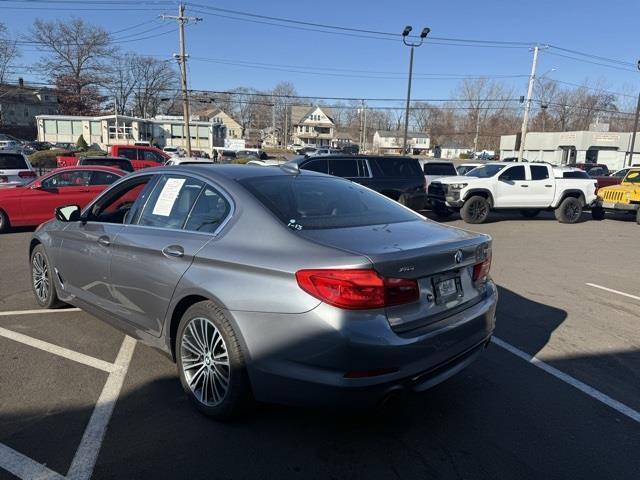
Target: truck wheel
{"points": [[475, 210], [442, 211], [4, 222], [530, 213], [569, 211], [597, 213]]}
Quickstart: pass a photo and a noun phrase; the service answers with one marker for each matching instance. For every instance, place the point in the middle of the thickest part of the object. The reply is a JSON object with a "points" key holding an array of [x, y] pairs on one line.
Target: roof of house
{"points": [[398, 134], [212, 112], [454, 146], [23, 94], [299, 112]]}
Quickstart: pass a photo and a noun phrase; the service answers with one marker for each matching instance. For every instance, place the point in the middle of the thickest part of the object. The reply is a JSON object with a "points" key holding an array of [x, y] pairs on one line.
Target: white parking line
{"points": [[60, 351], [24, 467], [33, 312], [613, 291], [583, 387], [85, 458]]}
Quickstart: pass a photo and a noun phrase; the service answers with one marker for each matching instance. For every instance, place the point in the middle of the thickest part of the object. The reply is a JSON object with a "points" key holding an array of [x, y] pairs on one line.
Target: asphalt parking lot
{"points": [[557, 395]]}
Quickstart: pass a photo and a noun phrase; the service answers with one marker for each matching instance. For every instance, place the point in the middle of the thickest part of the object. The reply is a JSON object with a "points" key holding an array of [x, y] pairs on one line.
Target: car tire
{"points": [[569, 210], [597, 213], [210, 362], [530, 213], [42, 284], [475, 210], [5, 225]]}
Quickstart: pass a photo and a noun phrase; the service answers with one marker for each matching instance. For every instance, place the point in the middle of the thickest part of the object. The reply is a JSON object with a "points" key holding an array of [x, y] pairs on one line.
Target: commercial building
{"points": [[108, 130], [568, 148], [392, 142]]}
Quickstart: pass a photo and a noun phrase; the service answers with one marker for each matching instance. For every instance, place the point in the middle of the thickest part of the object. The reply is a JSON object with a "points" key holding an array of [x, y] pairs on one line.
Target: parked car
{"points": [[433, 169], [620, 198], [467, 167], [188, 161], [294, 146], [399, 178], [308, 150], [367, 299], [267, 163], [199, 154], [513, 159], [115, 162], [10, 145], [35, 202], [319, 152], [596, 168], [623, 172], [174, 151], [351, 149], [15, 169], [226, 156], [528, 188], [141, 156]]}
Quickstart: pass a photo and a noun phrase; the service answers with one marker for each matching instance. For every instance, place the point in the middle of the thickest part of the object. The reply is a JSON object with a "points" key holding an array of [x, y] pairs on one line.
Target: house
{"points": [[343, 139], [215, 115], [312, 125], [569, 148], [387, 142], [451, 150], [110, 130], [20, 104]]}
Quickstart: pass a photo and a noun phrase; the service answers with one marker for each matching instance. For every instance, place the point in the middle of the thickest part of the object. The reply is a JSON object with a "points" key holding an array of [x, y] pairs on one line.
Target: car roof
{"points": [[229, 171], [98, 168]]}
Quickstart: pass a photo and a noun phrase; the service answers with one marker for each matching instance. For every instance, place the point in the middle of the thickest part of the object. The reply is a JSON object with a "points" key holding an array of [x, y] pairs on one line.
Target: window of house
{"points": [[64, 127], [50, 126], [95, 128], [203, 132], [76, 128], [176, 131]]}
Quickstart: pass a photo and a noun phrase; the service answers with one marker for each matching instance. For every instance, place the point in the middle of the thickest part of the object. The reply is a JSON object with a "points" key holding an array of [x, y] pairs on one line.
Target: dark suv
{"points": [[399, 178]]}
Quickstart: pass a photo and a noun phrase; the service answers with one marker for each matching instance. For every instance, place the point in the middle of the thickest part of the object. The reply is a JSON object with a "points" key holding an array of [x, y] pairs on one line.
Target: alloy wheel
{"points": [[40, 275], [478, 210], [205, 361]]}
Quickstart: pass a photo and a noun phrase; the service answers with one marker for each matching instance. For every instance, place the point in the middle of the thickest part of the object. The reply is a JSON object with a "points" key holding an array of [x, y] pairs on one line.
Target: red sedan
{"points": [[35, 202]]}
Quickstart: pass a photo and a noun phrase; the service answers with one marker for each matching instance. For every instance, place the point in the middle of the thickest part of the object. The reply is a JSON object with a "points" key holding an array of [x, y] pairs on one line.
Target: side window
{"points": [[320, 166], [103, 178], [209, 211], [121, 205], [513, 174], [539, 172], [130, 153], [345, 168], [68, 179], [170, 203], [151, 156]]}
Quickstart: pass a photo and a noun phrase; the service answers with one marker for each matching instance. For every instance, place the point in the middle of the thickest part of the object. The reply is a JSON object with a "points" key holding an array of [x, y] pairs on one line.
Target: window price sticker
{"points": [[168, 197]]}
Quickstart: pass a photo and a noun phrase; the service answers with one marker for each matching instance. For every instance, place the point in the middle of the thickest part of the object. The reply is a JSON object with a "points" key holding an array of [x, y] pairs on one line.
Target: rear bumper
{"points": [[302, 359]]}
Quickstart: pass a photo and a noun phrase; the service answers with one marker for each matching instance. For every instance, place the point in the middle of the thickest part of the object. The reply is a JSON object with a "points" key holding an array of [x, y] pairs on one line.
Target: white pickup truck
{"points": [[526, 187]]}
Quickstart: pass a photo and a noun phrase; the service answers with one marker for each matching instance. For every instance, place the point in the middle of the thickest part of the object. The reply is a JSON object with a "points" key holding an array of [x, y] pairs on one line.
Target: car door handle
{"points": [[524, 186], [548, 186], [104, 241], [174, 251]]}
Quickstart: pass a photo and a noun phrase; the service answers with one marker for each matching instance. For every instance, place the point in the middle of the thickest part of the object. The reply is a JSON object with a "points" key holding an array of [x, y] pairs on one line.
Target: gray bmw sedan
{"points": [[273, 284]]}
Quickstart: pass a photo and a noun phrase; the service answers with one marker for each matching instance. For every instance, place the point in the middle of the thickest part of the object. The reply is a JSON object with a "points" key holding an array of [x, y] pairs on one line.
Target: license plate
{"points": [[608, 205], [446, 288]]}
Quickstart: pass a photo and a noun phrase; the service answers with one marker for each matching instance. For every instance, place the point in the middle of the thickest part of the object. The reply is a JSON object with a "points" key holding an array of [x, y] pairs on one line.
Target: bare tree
{"points": [[154, 79], [121, 82], [8, 52], [76, 58], [281, 97]]}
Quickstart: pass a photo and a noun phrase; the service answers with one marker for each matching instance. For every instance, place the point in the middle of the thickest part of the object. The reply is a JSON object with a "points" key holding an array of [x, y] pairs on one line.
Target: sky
{"points": [[228, 50]]}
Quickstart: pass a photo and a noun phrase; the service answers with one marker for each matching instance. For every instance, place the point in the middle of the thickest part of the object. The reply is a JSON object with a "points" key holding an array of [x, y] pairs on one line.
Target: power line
{"points": [[615, 67]]}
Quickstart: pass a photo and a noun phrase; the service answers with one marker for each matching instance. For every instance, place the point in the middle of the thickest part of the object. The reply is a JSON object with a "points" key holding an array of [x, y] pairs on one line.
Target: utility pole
{"points": [[182, 60], [285, 133], [527, 107], [635, 128], [475, 140], [364, 130], [273, 124]]}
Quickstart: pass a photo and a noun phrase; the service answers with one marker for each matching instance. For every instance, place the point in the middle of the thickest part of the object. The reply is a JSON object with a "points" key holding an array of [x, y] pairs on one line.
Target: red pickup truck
{"points": [[141, 156]]}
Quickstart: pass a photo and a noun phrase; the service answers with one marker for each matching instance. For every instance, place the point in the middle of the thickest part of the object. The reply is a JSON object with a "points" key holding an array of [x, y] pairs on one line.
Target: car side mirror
{"points": [[68, 213], [36, 185]]}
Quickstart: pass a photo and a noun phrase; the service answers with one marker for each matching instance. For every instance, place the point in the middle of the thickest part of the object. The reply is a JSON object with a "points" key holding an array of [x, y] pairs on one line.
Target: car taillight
{"points": [[481, 270], [27, 174], [357, 289]]}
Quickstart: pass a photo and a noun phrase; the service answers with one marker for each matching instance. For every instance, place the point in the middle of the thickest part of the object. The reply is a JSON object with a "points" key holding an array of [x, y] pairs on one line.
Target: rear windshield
{"points": [[575, 174], [312, 203], [399, 167], [485, 171], [12, 162], [439, 169]]}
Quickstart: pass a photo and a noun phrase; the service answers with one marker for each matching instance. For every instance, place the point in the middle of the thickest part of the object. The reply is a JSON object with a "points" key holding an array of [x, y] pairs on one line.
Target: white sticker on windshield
{"points": [[168, 197]]}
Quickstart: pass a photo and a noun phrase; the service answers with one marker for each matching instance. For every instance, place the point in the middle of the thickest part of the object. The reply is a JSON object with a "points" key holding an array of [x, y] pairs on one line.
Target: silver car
{"points": [[273, 284], [15, 169]]}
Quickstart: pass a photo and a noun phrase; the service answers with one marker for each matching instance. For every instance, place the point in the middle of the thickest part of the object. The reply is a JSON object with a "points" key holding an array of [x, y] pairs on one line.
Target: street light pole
{"points": [[405, 35], [635, 128]]}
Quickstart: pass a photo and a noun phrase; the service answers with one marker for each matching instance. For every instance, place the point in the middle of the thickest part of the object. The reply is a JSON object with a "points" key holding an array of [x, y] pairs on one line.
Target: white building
{"points": [[312, 126], [568, 148], [124, 130], [389, 142]]}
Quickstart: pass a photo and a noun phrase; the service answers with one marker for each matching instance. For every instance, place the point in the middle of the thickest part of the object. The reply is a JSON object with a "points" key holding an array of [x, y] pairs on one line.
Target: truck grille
{"points": [[613, 195], [436, 190]]}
